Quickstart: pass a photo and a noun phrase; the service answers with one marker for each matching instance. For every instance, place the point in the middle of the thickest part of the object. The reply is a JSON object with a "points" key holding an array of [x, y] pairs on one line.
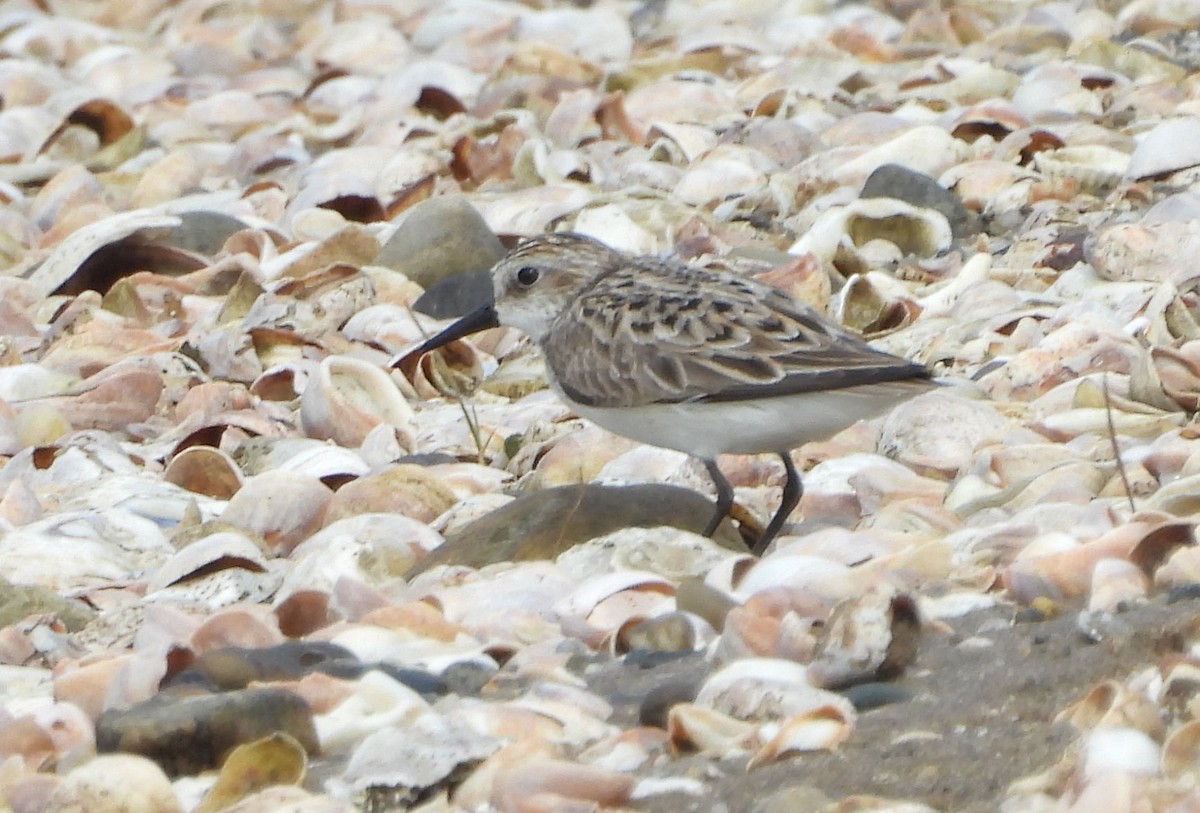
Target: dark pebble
{"points": [[188, 733], [1183, 592], [866, 696], [658, 701], [902, 183], [236, 667], [653, 658], [457, 295]]}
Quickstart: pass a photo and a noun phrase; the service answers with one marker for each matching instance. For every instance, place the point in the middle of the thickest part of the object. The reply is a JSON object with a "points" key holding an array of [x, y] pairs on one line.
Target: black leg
{"points": [[792, 489], [724, 497]]}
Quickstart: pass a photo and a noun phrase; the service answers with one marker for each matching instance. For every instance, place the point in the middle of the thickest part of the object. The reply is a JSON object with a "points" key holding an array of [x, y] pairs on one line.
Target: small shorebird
{"points": [[700, 361]]}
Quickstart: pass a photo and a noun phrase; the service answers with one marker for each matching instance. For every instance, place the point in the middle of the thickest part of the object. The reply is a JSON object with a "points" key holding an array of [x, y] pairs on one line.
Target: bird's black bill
{"points": [[475, 321]]}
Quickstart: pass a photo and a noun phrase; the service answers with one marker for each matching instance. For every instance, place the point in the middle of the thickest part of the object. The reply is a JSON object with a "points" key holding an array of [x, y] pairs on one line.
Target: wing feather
{"points": [[701, 336]]}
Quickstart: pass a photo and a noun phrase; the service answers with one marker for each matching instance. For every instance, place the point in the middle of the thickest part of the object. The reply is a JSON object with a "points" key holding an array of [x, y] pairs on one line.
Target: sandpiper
{"points": [[696, 360]]}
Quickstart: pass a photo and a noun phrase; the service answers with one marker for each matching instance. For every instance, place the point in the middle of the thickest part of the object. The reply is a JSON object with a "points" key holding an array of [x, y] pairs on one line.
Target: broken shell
{"points": [[112, 783], [692, 727], [67, 267], [1116, 584], [552, 779], [283, 507], [376, 697], [821, 729], [872, 637], [762, 689], [347, 398], [912, 230], [607, 601], [218, 551], [1181, 752], [204, 470], [1110, 704], [1094, 167], [1169, 147]]}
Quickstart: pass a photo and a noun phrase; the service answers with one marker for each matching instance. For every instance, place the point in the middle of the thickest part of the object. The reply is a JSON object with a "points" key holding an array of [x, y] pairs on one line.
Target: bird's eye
{"points": [[527, 275]]}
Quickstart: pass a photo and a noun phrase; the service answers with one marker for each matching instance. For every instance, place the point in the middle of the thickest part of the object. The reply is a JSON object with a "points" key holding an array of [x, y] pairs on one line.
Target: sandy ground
{"points": [[982, 711]]}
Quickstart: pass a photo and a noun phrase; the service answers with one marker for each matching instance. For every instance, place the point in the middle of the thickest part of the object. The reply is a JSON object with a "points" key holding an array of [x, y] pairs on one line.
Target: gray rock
{"points": [[441, 237], [187, 733], [543, 524], [902, 183]]}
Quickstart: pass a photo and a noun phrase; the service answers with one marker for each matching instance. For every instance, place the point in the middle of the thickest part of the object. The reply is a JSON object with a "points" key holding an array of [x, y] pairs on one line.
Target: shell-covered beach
{"points": [[251, 561]]}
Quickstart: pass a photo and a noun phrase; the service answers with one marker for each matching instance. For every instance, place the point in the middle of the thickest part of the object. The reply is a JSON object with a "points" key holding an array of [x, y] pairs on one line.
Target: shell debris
{"points": [[218, 238]]}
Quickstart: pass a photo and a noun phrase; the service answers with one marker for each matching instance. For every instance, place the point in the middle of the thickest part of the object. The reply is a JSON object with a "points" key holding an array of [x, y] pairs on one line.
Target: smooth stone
{"points": [[187, 733], [902, 183], [456, 295], [545, 523], [235, 667], [867, 696], [440, 237], [204, 231], [658, 701], [1183, 592], [18, 601], [423, 683]]}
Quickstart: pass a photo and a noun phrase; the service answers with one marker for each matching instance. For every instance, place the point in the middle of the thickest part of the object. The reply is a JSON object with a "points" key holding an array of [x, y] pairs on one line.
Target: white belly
{"points": [[707, 429]]}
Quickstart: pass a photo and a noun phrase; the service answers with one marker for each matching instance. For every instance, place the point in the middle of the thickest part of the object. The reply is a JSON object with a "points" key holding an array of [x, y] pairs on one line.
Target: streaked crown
{"points": [[543, 274]]}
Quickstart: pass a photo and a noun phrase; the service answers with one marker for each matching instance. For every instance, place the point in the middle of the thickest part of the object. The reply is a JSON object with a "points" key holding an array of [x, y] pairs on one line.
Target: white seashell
{"points": [[69, 256], [283, 507], [391, 326], [420, 755], [581, 602], [76, 550], [218, 551], [223, 588], [368, 548], [691, 140], [114, 783], [530, 211], [23, 382], [615, 227], [821, 729], [1169, 147], [1182, 567], [347, 398], [1116, 583], [709, 731], [314, 458], [317, 223], [819, 574], [668, 553], [1094, 167], [1055, 88], [495, 602], [761, 689], [927, 149], [599, 34], [377, 702], [913, 229], [721, 173], [1119, 749], [864, 638], [407, 649], [939, 431]]}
